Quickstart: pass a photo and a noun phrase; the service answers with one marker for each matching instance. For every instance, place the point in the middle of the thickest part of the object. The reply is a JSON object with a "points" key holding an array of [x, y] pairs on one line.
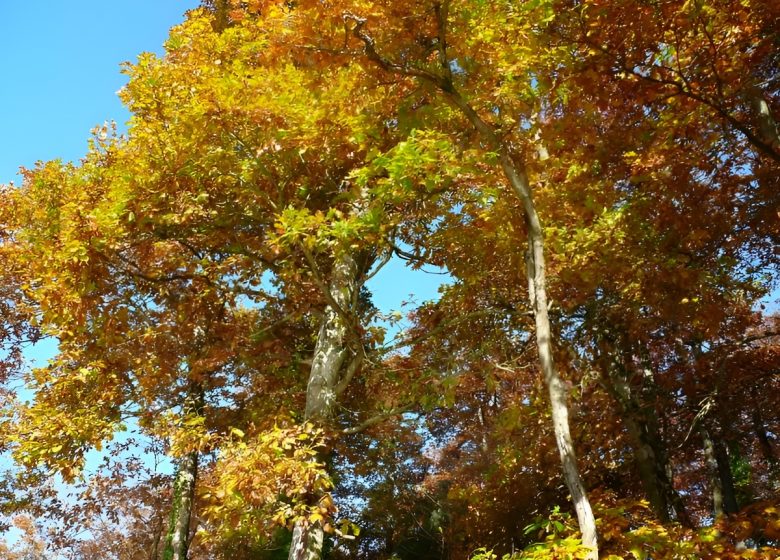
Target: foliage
{"points": [[263, 480], [629, 531], [279, 154]]}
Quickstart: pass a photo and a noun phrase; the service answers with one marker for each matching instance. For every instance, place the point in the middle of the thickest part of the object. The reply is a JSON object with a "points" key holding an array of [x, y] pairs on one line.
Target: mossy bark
{"points": [[177, 540]]}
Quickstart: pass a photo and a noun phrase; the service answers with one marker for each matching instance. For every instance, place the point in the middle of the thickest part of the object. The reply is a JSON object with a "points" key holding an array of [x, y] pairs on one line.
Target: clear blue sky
{"points": [[60, 67]]}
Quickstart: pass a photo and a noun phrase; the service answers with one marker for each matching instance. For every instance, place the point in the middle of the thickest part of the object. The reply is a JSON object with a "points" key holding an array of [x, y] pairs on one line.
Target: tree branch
{"points": [[379, 266], [369, 49], [374, 420], [438, 329], [352, 368], [352, 331]]}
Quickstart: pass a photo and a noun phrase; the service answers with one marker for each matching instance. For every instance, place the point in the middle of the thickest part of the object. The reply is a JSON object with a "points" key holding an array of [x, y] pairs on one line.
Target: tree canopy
{"points": [[598, 377]]}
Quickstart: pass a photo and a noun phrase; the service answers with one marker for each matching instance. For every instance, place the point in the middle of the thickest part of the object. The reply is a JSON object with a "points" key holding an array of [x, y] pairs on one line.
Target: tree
{"points": [[434, 60]]}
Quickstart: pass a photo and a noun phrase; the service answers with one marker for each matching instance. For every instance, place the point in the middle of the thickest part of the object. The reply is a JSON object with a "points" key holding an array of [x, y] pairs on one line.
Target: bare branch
{"points": [[379, 266], [134, 269], [438, 329], [374, 420], [369, 49]]}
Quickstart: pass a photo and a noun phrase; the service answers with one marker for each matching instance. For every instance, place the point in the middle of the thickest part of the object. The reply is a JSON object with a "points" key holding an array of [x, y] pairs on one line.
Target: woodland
{"points": [[597, 378]]}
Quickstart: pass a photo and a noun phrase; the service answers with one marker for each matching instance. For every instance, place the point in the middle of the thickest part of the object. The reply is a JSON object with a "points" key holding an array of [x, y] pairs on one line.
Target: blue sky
{"points": [[60, 63]]}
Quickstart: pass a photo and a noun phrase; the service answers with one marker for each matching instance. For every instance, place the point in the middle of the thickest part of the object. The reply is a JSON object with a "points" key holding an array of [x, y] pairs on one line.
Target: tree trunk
{"points": [[330, 353], [556, 388], [759, 429], [649, 449], [537, 284], [483, 430], [647, 461], [537, 295], [158, 531], [307, 541], [665, 474], [331, 348], [651, 471], [177, 540], [723, 461], [220, 9], [715, 480], [767, 126]]}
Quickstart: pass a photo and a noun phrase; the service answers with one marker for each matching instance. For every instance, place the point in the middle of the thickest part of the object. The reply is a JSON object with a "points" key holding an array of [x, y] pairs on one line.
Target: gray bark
{"points": [[306, 541], [555, 386], [331, 349], [325, 379], [177, 540]]}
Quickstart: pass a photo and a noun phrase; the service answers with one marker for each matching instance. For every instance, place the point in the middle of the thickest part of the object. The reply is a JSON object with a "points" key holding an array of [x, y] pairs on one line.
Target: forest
{"points": [[597, 184]]}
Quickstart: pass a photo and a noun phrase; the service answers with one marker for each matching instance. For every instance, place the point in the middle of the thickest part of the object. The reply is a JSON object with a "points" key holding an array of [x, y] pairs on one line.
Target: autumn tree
{"points": [[152, 300], [433, 46]]}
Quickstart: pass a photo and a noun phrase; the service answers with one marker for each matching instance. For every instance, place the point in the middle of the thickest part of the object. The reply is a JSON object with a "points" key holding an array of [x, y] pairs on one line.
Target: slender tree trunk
{"points": [[159, 526], [647, 461], [330, 353], [723, 462], [649, 452], [651, 471], [759, 429], [483, 430], [537, 294], [663, 472], [331, 349], [220, 9], [537, 283], [649, 449], [654, 439], [177, 540], [556, 388], [715, 480]]}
